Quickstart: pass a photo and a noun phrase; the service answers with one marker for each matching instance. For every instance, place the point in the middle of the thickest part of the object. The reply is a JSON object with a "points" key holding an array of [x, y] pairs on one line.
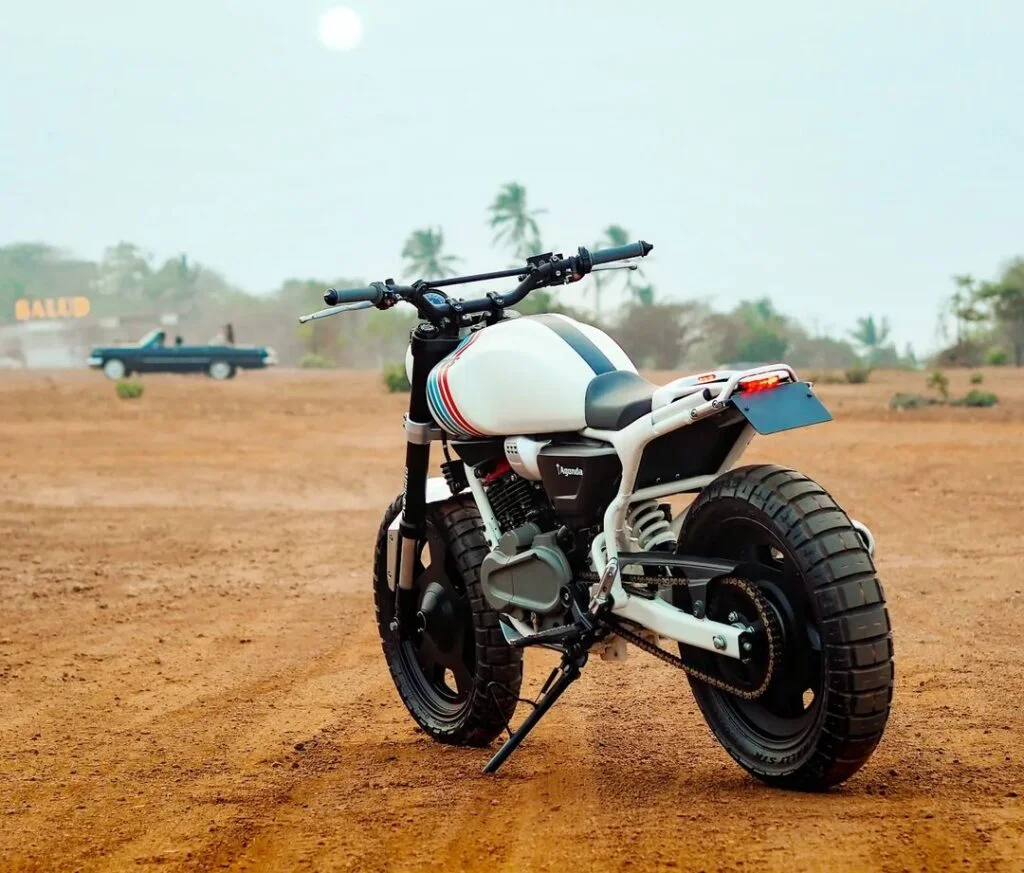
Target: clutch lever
{"points": [[334, 310]]}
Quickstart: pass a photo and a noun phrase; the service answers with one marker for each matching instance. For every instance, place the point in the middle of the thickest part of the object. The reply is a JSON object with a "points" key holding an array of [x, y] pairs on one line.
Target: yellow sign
{"points": [[51, 307]]}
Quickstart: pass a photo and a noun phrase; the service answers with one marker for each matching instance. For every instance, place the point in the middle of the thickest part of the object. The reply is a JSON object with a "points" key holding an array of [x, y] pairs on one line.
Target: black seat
{"points": [[617, 399]]}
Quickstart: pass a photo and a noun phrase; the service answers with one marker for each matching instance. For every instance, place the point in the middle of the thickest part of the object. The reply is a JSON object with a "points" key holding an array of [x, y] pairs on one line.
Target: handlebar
{"points": [[370, 294], [620, 253], [540, 272]]}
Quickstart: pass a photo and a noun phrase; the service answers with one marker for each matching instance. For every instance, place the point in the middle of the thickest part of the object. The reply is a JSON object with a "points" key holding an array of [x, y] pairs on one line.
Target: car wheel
{"points": [[221, 370], [115, 369]]}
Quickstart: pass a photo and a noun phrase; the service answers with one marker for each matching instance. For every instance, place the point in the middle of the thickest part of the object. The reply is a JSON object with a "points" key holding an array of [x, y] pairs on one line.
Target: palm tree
{"points": [[871, 335], [963, 305], [423, 251], [643, 294], [515, 224]]}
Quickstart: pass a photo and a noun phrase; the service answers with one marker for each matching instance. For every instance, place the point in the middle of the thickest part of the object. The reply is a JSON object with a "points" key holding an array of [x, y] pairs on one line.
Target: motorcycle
{"points": [[548, 528]]}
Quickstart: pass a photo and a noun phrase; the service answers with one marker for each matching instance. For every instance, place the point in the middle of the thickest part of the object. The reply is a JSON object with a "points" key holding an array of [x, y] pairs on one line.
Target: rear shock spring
{"points": [[649, 526]]}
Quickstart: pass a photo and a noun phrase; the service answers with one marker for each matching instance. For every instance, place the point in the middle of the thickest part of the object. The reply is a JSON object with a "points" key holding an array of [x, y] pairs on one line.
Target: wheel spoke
{"points": [[429, 655], [437, 550], [463, 678], [433, 573], [785, 700]]}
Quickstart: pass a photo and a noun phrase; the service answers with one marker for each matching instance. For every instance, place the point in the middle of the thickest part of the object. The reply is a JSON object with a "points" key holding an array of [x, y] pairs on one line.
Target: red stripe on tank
{"points": [[446, 392]]}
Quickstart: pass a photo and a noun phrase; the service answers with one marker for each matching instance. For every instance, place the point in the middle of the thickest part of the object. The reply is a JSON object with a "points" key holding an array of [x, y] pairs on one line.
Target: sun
{"points": [[340, 29]]}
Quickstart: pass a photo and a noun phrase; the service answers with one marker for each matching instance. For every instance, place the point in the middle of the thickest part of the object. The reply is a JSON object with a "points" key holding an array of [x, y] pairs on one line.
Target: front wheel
{"points": [[115, 369], [454, 671], [824, 711]]}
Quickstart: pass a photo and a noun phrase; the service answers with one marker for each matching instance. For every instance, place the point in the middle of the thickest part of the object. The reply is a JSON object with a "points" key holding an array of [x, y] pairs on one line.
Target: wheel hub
{"points": [[438, 619], [739, 603]]}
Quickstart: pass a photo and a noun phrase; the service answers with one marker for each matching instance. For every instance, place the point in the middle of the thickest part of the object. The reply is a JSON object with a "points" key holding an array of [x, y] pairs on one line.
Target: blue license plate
{"points": [[783, 408]]}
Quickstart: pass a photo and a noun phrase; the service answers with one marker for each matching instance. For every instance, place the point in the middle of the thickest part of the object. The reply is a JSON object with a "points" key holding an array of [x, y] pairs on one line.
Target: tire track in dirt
{"points": [[133, 568]]}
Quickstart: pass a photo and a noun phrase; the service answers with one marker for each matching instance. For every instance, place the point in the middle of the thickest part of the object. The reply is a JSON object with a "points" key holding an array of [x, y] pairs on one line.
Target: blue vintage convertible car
{"points": [[153, 354]]}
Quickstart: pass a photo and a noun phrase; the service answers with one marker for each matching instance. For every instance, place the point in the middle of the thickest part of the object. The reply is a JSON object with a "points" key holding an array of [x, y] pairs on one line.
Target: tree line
{"points": [[987, 319], [657, 333]]}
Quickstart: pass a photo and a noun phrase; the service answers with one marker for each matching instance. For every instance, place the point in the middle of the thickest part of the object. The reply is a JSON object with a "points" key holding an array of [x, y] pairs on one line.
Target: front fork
{"points": [[428, 349]]}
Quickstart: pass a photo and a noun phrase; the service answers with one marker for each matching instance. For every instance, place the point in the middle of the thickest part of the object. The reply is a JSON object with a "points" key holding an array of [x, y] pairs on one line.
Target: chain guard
{"points": [[765, 615]]}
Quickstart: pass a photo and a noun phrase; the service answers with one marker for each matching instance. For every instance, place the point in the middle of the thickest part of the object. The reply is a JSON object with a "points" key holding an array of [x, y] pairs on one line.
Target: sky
{"points": [[841, 158]]}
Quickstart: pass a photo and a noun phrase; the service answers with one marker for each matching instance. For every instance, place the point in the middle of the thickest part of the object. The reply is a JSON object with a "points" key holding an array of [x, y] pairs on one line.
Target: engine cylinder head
{"points": [[513, 499]]}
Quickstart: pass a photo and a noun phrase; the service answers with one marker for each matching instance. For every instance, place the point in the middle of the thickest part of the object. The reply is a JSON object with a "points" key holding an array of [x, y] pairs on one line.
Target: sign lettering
{"points": [[51, 307]]}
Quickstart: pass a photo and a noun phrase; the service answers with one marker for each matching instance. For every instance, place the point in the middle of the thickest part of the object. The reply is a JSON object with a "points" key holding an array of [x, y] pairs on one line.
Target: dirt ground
{"points": [[190, 674]]}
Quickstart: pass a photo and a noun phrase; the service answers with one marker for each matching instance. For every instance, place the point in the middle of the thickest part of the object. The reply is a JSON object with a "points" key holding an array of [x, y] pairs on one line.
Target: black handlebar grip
{"points": [[371, 294], [620, 253]]}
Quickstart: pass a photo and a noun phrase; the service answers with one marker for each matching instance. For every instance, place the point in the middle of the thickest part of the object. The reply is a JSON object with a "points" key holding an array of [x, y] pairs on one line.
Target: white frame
{"points": [[675, 405]]}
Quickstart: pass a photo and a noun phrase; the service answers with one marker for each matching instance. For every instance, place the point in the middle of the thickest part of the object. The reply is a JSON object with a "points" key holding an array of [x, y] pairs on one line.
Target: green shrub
{"points": [[982, 399], [129, 390], [997, 357], [940, 382], [858, 375], [977, 378], [912, 401], [395, 378], [827, 378], [313, 361]]}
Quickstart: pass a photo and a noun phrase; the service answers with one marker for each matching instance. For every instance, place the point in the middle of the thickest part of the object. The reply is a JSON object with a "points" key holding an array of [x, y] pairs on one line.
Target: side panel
{"points": [[580, 480], [695, 450]]}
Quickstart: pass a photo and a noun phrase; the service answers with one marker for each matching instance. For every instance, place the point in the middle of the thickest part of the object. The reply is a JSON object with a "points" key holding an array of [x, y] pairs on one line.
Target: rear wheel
{"points": [[824, 711], [221, 370], [455, 666]]}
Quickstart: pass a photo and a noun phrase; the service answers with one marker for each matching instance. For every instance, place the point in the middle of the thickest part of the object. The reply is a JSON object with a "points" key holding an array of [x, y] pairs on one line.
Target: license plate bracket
{"points": [[783, 408]]}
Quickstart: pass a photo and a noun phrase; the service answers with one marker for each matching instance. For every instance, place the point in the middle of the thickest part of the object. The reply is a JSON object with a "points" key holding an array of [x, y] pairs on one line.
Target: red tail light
{"points": [[763, 382]]}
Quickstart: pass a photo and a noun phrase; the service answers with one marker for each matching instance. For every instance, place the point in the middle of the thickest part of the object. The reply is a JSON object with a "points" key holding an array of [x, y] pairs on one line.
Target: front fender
{"points": [[437, 492]]}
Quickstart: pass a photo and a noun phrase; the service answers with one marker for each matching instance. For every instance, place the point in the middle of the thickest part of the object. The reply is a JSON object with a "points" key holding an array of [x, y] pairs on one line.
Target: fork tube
{"points": [[427, 350]]}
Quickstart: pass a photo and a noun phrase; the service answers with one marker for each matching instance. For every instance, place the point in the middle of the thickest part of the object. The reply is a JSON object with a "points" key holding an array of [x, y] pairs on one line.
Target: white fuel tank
{"points": [[525, 375]]}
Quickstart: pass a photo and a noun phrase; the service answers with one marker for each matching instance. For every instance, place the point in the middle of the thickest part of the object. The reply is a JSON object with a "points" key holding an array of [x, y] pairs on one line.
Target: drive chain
{"points": [[766, 615]]}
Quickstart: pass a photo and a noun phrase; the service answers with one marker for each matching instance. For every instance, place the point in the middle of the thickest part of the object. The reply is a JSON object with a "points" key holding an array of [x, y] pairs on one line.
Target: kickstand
{"points": [[494, 686], [560, 679]]}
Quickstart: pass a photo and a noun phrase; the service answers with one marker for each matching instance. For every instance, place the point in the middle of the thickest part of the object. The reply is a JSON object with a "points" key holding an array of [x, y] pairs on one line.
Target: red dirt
{"points": [[190, 674]]}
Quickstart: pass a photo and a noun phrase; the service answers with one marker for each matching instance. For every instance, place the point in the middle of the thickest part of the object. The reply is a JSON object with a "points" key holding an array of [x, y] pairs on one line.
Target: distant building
{"points": [[56, 343]]}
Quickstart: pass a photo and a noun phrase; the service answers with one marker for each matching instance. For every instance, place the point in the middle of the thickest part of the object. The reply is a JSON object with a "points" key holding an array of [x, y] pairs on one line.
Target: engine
{"points": [[548, 498], [515, 500], [527, 571]]}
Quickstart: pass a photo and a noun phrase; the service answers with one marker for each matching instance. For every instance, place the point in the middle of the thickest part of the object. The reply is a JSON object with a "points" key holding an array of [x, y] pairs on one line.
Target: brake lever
{"points": [[334, 310], [615, 267]]}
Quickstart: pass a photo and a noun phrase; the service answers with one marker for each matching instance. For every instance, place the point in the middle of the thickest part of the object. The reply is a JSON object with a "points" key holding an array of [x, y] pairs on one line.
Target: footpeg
{"points": [[550, 637]]}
